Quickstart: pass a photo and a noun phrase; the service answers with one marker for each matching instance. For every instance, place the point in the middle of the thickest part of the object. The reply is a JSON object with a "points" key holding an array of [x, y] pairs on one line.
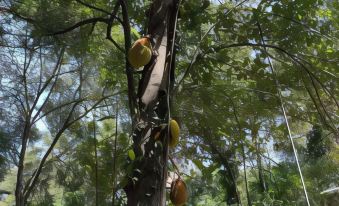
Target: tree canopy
{"points": [[253, 85]]}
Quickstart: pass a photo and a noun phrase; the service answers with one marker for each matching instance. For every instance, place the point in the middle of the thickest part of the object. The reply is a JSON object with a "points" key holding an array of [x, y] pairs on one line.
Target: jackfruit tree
{"points": [[168, 102]]}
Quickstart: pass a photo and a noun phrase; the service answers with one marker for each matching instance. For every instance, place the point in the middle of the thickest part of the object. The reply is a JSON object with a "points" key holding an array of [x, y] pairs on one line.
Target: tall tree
{"points": [[222, 53], [36, 86]]}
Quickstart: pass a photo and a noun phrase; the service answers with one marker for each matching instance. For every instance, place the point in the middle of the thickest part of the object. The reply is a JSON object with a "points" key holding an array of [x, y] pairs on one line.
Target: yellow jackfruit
{"points": [[140, 53], [174, 133]]}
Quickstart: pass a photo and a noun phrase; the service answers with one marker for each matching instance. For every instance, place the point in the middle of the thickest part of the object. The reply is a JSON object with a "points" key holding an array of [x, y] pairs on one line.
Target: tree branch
{"points": [[56, 73], [16, 14], [24, 73], [110, 24], [79, 24], [67, 123], [129, 72], [92, 7]]}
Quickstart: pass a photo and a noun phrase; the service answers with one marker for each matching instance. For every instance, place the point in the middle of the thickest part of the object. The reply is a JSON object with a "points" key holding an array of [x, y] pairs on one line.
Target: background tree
{"points": [[211, 70]]}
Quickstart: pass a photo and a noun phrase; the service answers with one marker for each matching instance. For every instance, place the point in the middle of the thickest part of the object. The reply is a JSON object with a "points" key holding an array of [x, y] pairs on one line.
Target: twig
{"points": [[130, 81], [92, 7], [175, 166], [110, 24], [79, 24]]}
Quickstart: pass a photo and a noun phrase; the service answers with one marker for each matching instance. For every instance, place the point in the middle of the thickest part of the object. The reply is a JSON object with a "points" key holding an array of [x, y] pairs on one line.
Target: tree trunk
{"points": [[96, 163], [147, 181], [19, 193], [245, 175], [262, 182], [231, 183], [260, 171]]}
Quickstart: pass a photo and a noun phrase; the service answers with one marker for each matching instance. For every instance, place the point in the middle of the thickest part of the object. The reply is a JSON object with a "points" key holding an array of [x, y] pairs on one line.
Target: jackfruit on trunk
{"points": [[140, 53]]}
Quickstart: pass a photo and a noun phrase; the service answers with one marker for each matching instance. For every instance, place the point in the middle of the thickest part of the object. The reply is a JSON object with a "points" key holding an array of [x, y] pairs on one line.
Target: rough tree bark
{"points": [[147, 181]]}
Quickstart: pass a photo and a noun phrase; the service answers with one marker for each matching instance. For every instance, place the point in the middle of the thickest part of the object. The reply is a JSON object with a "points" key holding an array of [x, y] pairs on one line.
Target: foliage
{"points": [[225, 99]]}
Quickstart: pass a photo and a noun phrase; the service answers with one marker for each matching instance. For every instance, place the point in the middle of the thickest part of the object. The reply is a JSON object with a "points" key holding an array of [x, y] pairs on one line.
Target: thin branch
{"points": [[110, 24], [41, 67], [17, 97], [79, 24], [24, 74], [58, 67], [115, 153], [115, 43], [317, 79], [92, 7], [175, 166], [96, 161], [129, 71], [16, 14], [11, 46], [322, 104], [107, 117], [91, 108], [58, 107], [315, 103]]}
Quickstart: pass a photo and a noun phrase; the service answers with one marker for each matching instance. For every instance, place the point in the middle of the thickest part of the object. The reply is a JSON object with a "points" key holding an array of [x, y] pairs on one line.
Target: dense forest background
{"points": [[242, 68]]}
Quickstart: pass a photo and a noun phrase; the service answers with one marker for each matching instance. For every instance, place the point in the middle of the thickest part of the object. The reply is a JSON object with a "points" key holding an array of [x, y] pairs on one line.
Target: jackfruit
{"points": [[140, 53], [131, 154], [178, 194], [174, 133]]}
